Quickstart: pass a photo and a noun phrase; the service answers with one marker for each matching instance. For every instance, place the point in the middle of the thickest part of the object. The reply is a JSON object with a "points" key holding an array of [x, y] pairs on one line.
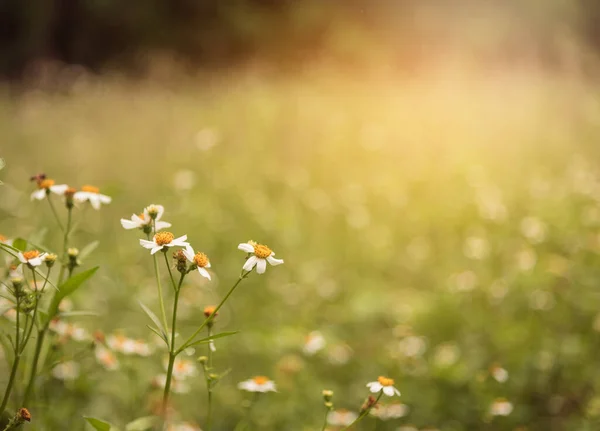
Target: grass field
{"points": [[434, 229]]}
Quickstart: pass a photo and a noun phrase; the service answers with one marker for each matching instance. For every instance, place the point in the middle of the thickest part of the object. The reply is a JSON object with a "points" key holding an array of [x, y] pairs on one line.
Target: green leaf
{"points": [[99, 425], [141, 424], [67, 288], [154, 319], [208, 339], [20, 244], [88, 249], [157, 332]]}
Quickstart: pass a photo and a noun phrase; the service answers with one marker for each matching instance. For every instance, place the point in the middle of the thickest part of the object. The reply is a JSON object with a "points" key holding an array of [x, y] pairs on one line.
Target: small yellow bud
{"points": [[73, 252], [50, 259]]}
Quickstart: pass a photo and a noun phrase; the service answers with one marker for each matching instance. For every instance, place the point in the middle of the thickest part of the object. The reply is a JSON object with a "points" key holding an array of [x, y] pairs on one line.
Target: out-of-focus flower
{"points": [[389, 411], [182, 368], [122, 344], [141, 348], [501, 407], [184, 180], [92, 195], [66, 370], [258, 384], [106, 358], [339, 354], [162, 240], [31, 257], [314, 342], [498, 373], [341, 417], [533, 229], [69, 330], [526, 259], [476, 247], [143, 220], [446, 354], [261, 254], [45, 186], [5, 240], [199, 259], [207, 138], [183, 426], [384, 384]]}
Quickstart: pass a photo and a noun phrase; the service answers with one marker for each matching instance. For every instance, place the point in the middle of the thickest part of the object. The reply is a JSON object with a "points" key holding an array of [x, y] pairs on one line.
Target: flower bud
{"points": [[73, 252], [368, 404], [24, 414], [152, 211], [69, 193], [203, 359], [50, 259], [28, 304], [180, 261], [327, 395], [329, 405], [17, 282]]}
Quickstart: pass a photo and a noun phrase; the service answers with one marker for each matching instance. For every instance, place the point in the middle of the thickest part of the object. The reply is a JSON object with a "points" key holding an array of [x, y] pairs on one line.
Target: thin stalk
{"points": [[36, 357], [245, 421], [60, 225], [163, 314], [365, 413], [17, 358], [325, 420], [65, 245], [172, 353], [209, 382], [189, 340]]}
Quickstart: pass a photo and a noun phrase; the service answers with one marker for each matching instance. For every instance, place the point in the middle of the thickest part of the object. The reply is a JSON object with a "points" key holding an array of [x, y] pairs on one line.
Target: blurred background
{"points": [[427, 169]]}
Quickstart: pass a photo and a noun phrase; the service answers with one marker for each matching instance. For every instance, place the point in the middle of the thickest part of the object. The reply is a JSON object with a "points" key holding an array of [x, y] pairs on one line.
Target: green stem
{"points": [[65, 257], [245, 421], [209, 382], [55, 213], [217, 308], [17, 358], [172, 353], [325, 420], [163, 314], [365, 413], [36, 356]]}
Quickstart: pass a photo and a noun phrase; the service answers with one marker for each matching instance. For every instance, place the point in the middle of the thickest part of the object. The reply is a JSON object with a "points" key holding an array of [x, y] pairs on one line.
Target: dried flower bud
{"points": [[99, 337], [69, 193], [180, 261], [50, 259], [24, 414], [368, 404]]}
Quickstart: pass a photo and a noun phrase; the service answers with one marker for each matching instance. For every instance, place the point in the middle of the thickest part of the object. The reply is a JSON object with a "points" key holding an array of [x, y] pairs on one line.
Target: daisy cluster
{"points": [[87, 193]]}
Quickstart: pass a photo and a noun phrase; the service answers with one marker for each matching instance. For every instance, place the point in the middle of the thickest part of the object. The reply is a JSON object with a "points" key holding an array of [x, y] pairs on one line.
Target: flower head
{"points": [[314, 342], [106, 358], [200, 260], [259, 256], [183, 368], [144, 220], [32, 258], [384, 384], [341, 417], [92, 195], [66, 370], [45, 186], [161, 240], [501, 407], [258, 384], [390, 411]]}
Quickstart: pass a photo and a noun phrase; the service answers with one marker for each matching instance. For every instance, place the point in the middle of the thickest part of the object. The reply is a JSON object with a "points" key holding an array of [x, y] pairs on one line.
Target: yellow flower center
{"points": [[45, 184], [31, 254], [384, 381], [262, 251], [141, 216], [201, 259], [260, 380], [90, 189], [163, 238], [3, 238], [70, 192]]}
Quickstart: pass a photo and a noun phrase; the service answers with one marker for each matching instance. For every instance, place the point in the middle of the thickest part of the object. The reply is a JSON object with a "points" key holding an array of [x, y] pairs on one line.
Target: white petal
{"points": [[22, 258], [155, 249], [189, 253], [179, 242], [129, 224], [208, 265], [81, 196], [95, 201], [374, 387], [36, 261], [162, 225], [250, 262], [147, 244], [203, 272], [389, 391], [104, 199], [161, 211], [38, 194], [246, 247], [274, 261], [261, 266], [269, 387], [397, 391], [212, 347], [59, 189]]}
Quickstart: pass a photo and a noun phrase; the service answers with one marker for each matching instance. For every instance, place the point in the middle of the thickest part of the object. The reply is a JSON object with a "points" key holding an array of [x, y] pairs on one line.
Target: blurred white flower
{"points": [[341, 417], [5, 240], [66, 370], [476, 247], [339, 354], [314, 342], [207, 138], [258, 384], [184, 180], [389, 411], [142, 348], [533, 229], [526, 259], [412, 346], [183, 426], [122, 344], [261, 254], [199, 259], [182, 368], [31, 257], [498, 373], [162, 240], [47, 185], [383, 384], [140, 221], [501, 407], [106, 358], [446, 354], [92, 195]]}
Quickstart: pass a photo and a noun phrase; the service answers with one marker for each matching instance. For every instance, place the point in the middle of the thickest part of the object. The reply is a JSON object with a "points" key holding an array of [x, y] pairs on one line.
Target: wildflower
{"points": [[498, 373], [327, 395], [5, 240], [66, 371], [50, 259], [209, 310], [383, 384], [200, 260], [106, 358], [390, 411], [122, 344], [162, 240], [24, 414], [144, 220], [69, 195], [258, 384], [261, 254], [32, 258], [341, 417], [314, 342], [45, 186], [142, 348], [92, 194], [501, 407], [177, 386]]}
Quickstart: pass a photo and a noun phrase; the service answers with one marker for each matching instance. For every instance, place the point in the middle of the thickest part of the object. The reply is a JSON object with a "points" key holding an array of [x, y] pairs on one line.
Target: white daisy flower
{"points": [[199, 259], [92, 194], [106, 358], [143, 220], [182, 368], [341, 417], [142, 348], [501, 407], [258, 384], [163, 239], [31, 258], [177, 386], [314, 342], [122, 344], [498, 373], [389, 411], [45, 186], [383, 384], [261, 254], [66, 371]]}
